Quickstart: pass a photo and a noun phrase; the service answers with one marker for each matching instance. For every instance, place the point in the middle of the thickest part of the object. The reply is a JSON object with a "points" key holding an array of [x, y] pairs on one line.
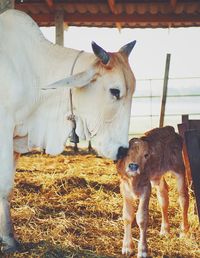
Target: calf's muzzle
{"points": [[133, 166]]}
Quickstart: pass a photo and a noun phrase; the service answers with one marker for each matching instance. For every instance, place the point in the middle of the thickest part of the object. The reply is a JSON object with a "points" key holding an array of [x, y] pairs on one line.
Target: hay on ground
{"points": [[70, 206]]}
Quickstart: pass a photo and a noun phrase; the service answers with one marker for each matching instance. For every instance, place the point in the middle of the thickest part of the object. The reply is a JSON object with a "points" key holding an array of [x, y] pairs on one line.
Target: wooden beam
{"points": [[135, 18], [59, 24], [164, 94]]}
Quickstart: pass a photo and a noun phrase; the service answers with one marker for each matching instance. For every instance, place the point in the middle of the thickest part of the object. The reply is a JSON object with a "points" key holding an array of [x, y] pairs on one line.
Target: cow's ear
{"points": [[128, 48], [100, 53], [78, 80]]}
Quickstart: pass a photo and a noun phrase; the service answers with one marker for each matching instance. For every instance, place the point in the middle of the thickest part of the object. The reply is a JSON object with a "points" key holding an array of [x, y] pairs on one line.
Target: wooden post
{"points": [[164, 94], [192, 138], [59, 24], [6, 4]]}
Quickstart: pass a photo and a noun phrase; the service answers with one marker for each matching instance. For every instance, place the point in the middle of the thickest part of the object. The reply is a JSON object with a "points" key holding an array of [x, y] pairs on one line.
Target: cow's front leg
{"points": [[142, 217], [128, 217], [6, 184], [6, 229]]}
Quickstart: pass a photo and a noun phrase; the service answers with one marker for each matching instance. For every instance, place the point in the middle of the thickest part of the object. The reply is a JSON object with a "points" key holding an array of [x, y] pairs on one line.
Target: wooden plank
{"points": [[164, 94], [59, 24], [193, 148], [182, 128], [135, 18]]}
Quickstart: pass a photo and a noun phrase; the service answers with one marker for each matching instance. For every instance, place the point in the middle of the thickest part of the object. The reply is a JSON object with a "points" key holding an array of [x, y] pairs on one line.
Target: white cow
{"points": [[35, 106]]}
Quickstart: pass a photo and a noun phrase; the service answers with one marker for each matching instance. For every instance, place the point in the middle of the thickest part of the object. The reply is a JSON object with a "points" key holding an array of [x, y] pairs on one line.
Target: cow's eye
{"points": [[115, 93], [146, 155]]}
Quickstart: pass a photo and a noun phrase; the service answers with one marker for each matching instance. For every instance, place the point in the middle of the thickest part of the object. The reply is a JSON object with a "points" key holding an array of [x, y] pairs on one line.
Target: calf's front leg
{"points": [[163, 199], [142, 217], [128, 217]]}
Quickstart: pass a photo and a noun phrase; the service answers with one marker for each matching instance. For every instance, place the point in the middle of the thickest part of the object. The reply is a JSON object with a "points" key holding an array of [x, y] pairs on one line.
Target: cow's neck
{"points": [[56, 62]]}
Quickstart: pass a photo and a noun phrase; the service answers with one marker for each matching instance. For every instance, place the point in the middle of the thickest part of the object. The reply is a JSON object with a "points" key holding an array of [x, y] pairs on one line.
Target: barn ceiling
{"points": [[114, 13]]}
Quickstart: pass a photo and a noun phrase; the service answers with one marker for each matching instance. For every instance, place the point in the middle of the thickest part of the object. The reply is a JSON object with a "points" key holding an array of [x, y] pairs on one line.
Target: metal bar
{"points": [[164, 94]]}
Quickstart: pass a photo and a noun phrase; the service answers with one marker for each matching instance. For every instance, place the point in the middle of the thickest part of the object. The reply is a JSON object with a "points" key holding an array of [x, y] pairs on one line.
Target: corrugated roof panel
{"points": [[141, 8], [153, 9], [69, 8], [103, 8], [80, 8], [179, 8], [130, 8], [92, 8]]}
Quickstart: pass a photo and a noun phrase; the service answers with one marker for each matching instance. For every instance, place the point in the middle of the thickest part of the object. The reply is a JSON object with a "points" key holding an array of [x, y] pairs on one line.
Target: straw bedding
{"points": [[70, 206]]}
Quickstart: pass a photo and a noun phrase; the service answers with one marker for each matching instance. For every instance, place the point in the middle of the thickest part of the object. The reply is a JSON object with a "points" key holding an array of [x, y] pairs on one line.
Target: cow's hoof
{"points": [[10, 248]]}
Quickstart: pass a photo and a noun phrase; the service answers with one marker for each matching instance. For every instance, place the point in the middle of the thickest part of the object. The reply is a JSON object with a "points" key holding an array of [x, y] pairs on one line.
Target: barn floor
{"points": [[70, 206]]}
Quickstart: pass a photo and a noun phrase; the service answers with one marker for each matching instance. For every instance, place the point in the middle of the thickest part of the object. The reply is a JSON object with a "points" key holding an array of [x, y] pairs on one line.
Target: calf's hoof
{"points": [[142, 255], [164, 231], [128, 249]]}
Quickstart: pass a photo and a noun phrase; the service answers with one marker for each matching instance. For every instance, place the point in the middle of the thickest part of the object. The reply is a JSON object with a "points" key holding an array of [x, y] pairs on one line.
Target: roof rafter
{"points": [[49, 3], [111, 4]]}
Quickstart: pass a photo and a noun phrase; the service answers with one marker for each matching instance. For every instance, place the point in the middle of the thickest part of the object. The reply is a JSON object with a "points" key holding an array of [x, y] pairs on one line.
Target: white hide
{"points": [[29, 64]]}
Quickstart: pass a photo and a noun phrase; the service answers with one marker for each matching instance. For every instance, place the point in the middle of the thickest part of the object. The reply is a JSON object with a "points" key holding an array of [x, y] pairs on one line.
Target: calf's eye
{"points": [[115, 93], [146, 155]]}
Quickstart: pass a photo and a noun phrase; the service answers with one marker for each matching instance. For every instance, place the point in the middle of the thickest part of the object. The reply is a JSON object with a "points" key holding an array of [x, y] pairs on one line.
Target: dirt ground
{"points": [[70, 206]]}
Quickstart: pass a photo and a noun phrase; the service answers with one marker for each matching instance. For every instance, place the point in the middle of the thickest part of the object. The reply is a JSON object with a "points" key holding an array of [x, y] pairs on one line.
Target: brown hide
{"points": [[165, 147]]}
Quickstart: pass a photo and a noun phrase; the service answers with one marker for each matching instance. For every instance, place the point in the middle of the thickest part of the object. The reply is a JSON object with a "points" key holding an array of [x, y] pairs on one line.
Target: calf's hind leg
{"points": [[163, 199], [183, 200]]}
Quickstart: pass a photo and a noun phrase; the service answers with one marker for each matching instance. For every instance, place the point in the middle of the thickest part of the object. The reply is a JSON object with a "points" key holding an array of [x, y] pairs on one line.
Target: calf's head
{"points": [[134, 162]]}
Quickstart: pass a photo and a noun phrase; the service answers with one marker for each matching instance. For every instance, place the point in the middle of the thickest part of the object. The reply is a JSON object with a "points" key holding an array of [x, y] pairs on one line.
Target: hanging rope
{"points": [[74, 137]]}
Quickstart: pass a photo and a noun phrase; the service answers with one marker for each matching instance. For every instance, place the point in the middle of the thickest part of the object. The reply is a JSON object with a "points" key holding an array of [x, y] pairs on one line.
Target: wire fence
{"points": [[183, 97]]}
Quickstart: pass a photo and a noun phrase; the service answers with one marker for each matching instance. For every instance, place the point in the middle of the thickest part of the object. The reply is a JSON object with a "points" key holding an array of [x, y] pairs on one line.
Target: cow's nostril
{"points": [[122, 152], [133, 166]]}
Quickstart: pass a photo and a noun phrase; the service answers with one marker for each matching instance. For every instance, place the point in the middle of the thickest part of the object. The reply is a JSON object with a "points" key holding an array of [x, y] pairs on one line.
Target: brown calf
{"points": [[147, 160]]}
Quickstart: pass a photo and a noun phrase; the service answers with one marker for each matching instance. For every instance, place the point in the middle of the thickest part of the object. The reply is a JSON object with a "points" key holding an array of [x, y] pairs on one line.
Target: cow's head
{"points": [[102, 98]]}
